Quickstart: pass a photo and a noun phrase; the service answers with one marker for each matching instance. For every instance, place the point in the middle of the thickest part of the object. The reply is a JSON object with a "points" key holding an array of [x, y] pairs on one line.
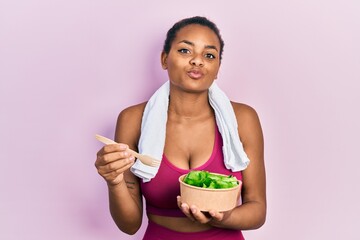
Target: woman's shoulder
{"points": [[133, 112], [244, 111], [128, 125], [249, 126]]}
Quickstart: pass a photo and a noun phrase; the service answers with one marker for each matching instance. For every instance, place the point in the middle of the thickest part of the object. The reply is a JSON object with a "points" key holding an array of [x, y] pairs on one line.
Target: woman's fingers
{"points": [[194, 214], [184, 208], [116, 176], [116, 167], [198, 215], [217, 216], [112, 148], [112, 161], [111, 153]]}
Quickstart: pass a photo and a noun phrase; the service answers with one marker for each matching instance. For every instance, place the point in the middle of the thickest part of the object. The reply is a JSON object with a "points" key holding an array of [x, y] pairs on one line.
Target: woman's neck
{"points": [[189, 106]]}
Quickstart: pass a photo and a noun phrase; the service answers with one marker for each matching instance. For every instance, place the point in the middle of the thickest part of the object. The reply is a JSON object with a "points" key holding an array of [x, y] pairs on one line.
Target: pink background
{"points": [[67, 68]]}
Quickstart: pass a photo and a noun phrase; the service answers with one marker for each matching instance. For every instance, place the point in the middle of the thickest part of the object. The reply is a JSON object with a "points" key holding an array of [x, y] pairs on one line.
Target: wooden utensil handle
{"points": [[133, 153]]}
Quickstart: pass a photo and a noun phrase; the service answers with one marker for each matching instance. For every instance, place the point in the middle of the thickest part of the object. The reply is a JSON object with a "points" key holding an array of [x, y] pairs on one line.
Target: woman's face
{"points": [[194, 58]]}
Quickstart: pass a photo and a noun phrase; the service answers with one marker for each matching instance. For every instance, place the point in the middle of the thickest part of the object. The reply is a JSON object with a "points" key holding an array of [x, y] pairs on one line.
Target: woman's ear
{"points": [[164, 60]]}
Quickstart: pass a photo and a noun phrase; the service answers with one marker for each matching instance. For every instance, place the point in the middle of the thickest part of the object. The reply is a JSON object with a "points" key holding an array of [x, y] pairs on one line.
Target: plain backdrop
{"points": [[67, 68]]}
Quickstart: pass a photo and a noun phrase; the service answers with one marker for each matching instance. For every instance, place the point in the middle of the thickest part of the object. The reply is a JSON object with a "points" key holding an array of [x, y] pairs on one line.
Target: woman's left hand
{"points": [[194, 214]]}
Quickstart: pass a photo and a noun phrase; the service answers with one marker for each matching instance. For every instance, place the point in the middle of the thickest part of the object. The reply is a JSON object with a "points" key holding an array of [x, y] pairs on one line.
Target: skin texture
{"points": [[192, 65]]}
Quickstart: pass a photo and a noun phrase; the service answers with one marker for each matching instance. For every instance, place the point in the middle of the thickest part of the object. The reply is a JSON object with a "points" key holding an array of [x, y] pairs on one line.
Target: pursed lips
{"points": [[195, 73]]}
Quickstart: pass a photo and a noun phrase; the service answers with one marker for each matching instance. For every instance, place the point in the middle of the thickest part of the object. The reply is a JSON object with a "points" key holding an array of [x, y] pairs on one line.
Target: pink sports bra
{"points": [[161, 192]]}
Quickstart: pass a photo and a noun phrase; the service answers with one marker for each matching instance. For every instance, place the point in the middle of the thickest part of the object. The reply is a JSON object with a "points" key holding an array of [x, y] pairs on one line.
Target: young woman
{"points": [[192, 55]]}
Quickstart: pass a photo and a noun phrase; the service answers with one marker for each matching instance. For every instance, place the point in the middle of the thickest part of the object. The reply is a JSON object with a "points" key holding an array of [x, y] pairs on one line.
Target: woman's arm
{"points": [[252, 213], [125, 199]]}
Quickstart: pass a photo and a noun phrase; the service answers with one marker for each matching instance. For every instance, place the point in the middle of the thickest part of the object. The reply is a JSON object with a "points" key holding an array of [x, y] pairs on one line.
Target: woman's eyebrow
{"points": [[211, 47], [192, 44], [187, 42]]}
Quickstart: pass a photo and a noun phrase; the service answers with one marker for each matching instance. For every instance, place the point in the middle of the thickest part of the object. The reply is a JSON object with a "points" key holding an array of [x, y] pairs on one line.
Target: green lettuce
{"points": [[206, 179]]}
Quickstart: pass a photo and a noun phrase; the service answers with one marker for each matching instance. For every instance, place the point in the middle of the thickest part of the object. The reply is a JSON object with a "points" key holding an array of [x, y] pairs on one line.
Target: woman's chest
{"points": [[189, 147]]}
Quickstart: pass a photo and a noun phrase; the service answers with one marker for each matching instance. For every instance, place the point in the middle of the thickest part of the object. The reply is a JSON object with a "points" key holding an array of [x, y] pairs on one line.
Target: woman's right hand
{"points": [[112, 161]]}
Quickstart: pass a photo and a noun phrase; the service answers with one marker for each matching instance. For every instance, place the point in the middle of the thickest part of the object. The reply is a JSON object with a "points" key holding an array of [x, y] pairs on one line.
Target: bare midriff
{"points": [[180, 224]]}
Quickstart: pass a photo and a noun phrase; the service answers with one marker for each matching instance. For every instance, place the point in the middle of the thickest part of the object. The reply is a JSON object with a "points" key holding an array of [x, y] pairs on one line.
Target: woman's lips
{"points": [[195, 74]]}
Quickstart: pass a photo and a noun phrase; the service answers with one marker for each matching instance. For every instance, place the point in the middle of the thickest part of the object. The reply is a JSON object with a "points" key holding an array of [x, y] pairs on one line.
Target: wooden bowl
{"points": [[209, 199]]}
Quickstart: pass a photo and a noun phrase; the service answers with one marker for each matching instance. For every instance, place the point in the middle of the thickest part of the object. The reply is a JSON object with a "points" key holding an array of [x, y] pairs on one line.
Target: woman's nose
{"points": [[197, 61]]}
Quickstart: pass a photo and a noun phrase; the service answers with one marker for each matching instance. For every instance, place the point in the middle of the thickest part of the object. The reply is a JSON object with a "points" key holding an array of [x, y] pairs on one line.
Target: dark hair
{"points": [[203, 21]]}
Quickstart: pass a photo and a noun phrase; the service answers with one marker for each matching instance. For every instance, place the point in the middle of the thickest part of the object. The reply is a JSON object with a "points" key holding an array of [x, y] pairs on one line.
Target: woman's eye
{"points": [[183, 50], [209, 55]]}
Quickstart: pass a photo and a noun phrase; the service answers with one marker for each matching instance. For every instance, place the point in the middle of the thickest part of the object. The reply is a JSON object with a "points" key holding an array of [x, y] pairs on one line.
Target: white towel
{"points": [[153, 131]]}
